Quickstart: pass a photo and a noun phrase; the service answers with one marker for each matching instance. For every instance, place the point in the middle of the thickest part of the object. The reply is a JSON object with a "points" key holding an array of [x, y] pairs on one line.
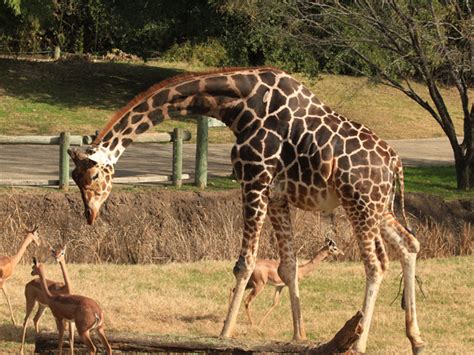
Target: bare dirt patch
{"points": [[163, 226]]}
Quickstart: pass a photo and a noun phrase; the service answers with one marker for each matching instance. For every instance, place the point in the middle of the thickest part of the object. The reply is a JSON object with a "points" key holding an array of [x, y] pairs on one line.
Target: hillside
{"points": [[48, 97]]}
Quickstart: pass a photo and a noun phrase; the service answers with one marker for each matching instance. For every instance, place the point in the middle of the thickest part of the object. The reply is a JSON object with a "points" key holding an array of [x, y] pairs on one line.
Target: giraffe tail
{"points": [[400, 181]]}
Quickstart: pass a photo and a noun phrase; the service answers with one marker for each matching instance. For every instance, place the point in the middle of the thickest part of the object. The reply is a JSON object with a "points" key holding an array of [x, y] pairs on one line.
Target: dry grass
{"points": [[190, 299], [184, 227]]}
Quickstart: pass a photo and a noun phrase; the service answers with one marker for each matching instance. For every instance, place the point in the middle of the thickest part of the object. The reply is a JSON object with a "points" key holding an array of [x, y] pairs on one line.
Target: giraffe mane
{"points": [[166, 82]]}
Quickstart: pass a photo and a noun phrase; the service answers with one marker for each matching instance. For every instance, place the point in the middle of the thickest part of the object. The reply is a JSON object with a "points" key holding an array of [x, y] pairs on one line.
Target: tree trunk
{"points": [[464, 170], [341, 343]]}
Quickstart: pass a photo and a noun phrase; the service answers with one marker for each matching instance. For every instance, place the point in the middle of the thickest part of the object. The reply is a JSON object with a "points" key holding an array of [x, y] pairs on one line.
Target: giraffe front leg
{"points": [[254, 208], [279, 214]]}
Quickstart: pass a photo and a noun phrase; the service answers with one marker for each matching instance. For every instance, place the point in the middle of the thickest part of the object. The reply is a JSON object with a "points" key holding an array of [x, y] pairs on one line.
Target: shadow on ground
{"points": [[75, 83], [10, 332]]}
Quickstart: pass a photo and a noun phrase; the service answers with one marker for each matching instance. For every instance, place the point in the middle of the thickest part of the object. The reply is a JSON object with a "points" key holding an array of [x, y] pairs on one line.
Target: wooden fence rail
{"points": [[65, 140]]}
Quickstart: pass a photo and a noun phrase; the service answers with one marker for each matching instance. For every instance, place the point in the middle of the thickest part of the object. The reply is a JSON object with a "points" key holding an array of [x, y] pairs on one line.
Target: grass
{"points": [[39, 98], [440, 181], [190, 299]]}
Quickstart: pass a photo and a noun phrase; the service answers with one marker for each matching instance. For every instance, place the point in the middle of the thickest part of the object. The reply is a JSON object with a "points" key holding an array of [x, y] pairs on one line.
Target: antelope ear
{"points": [[35, 261]]}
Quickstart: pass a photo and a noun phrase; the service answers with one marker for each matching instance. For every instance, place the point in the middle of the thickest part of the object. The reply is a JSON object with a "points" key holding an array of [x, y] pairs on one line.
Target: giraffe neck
{"points": [[17, 257], [310, 266], [239, 98]]}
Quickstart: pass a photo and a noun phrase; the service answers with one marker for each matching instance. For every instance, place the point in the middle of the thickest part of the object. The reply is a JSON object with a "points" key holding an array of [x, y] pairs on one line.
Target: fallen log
{"points": [[341, 343]]}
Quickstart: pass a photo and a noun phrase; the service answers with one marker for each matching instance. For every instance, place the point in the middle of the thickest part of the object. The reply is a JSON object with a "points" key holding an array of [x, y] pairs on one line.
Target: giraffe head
{"points": [[94, 179], [332, 248]]}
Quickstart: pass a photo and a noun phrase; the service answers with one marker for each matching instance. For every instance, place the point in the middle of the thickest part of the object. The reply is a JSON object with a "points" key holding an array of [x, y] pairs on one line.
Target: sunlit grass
{"points": [[40, 98], [191, 299], [439, 181]]}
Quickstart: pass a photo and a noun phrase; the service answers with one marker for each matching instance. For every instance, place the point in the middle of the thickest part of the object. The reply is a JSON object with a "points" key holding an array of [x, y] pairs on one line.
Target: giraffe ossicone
{"points": [[290, 149]]}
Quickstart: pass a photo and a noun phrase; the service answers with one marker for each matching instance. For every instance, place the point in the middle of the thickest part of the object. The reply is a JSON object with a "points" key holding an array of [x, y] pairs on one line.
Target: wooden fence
{"points": [[177, 137]]}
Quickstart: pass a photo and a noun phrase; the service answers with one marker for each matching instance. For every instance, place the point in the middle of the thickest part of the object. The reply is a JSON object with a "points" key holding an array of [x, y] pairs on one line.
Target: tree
{"points": [[396, 42]]}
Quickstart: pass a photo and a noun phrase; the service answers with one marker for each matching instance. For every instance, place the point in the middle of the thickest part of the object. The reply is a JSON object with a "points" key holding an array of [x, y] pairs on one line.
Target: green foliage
{"points": [[14, 5], [211, 32], [211, 53]]}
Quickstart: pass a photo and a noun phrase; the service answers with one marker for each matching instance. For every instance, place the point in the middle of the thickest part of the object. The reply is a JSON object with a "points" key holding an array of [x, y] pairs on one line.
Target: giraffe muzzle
{"points": [[90, 215]]}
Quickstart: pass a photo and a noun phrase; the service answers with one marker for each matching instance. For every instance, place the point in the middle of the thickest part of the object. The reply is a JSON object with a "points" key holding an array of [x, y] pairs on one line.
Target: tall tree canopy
{"points": [[400, 41], [395, 42]]}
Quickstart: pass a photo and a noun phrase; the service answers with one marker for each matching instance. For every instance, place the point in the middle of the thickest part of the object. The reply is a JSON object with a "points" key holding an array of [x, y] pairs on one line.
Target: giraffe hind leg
{"points": [[279, 213], [374, 275], [407, 246]]}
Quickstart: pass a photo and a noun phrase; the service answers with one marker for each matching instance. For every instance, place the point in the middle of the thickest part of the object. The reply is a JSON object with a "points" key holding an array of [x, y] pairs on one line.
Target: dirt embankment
{"points": [[163, 226]]}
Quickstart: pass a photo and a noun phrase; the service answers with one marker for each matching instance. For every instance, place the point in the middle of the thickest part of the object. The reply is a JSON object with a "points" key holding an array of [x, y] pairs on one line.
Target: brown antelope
{"points": [[83, 311], [8, 263], [266, 272], [34, 294]]}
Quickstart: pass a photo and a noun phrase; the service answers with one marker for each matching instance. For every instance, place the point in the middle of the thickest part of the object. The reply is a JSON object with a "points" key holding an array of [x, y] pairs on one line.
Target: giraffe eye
{"points": [[95, 176]]}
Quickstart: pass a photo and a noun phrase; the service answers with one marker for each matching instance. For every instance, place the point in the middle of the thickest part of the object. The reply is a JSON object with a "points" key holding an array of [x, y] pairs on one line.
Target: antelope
{"points": [[266, 272], [83, 311], [34, 294], [8, 263]]}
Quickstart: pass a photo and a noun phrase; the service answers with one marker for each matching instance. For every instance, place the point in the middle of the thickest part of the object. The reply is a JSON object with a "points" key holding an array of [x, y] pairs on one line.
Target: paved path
{"points": [[41, 161]]}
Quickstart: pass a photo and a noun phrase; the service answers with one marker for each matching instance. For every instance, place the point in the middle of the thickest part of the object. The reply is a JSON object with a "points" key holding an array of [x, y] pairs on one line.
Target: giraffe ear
{"points": [[76, 155], [99, 157]]}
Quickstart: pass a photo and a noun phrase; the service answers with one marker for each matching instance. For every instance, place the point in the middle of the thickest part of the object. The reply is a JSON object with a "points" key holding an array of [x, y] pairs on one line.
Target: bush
{"points": [[210, 53]]}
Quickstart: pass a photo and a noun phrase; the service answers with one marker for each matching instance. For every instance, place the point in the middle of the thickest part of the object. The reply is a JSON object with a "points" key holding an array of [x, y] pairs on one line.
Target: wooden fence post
{"points": [[63, 161], [201, 153], [57, 53], [178, 157]]}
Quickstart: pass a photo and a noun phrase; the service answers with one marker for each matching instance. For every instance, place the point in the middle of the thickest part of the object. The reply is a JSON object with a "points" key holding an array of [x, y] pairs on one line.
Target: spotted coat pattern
{"points": [[290, 149]]}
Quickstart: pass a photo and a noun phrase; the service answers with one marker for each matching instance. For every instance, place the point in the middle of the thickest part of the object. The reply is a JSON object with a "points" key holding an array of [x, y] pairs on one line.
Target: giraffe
{"points": [[290, 149]]}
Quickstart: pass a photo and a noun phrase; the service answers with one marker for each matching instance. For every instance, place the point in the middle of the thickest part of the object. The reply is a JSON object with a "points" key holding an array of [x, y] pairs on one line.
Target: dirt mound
{"points": [[454, 213], [162, 226]]}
